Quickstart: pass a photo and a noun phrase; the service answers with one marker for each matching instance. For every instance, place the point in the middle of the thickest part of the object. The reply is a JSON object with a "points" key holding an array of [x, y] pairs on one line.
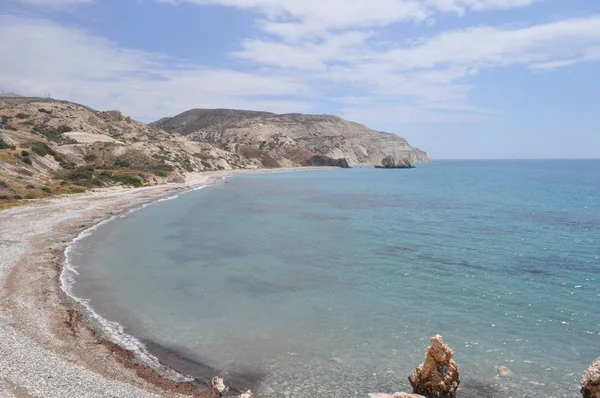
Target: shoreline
{"points": [[48, 346]]}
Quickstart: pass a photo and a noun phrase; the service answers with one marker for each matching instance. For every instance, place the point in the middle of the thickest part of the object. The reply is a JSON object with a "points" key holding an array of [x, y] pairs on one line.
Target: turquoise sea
{"points": [[329, 283]]}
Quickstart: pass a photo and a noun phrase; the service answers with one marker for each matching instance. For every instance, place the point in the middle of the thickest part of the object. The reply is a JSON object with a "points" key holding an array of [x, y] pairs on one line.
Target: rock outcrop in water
{"points": [[324, 161], [503, 371], [590, 382], [437, 377], [391, 162]]}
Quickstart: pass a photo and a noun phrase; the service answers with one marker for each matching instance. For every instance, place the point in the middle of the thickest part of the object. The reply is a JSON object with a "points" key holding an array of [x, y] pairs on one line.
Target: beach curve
{"points": [[47, 346]]}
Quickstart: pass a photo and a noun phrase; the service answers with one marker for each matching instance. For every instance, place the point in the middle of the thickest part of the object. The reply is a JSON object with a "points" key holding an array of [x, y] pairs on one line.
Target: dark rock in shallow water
{"points": [[590, 382], [390, 162], [325, 161]]}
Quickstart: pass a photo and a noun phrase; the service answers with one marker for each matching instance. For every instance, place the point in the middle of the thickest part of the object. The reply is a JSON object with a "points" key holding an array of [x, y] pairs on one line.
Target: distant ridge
{"points": [[291, 139], [10, 95]]}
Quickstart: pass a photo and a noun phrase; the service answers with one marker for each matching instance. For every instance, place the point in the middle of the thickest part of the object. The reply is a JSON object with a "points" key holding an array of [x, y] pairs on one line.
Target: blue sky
{"points": [[466, 79]]}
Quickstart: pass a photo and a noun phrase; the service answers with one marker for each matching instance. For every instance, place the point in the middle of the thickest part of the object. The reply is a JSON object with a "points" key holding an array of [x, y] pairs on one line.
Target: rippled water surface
{"points": [[329, 283]]}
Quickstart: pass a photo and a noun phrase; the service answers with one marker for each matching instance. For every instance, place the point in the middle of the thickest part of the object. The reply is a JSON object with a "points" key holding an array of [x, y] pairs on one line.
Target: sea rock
{"points": [[217, 390], [503, 371], [325, 161], [437, 376], [590, 382], [391, 162]]}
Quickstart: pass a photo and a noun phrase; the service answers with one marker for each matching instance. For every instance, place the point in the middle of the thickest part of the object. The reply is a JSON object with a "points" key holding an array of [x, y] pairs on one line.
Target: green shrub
{"points": [[24, 153], [30, 196], [53, 134], [47, 189], [122, 163], [84, 176], [90, 157], [128, 180], [81, 173], [42, 149], [125, 179], [3, 184], [17, 197], [21, 116], [30, 186], [4, 145], [87, 176], [64, 129], [162, 170], [43, 110], [27, 160], [4, 197]]}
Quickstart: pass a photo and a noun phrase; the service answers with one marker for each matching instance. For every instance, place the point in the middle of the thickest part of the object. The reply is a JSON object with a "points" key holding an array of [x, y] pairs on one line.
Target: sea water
{"points": [[329, 283]]}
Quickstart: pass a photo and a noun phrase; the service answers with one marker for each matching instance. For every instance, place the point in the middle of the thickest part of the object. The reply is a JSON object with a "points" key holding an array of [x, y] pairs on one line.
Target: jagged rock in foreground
{"points": [[390, 162], [437, 377], [590, 382], [291, 139]]}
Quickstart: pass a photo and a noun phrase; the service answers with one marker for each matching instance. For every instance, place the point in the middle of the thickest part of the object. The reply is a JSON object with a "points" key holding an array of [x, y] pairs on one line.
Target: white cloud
{"points": [[488, 46], [294, 19], [309, 53], [70, 63], [430, 72]]}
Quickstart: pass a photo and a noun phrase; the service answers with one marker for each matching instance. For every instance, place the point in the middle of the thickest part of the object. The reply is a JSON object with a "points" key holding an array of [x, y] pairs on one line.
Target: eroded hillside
{"points": [[290, 139], [49, 146]]}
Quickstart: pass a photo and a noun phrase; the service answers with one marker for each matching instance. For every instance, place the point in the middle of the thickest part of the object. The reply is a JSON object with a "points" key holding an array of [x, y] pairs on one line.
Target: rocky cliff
{"points": [[290, 139]]}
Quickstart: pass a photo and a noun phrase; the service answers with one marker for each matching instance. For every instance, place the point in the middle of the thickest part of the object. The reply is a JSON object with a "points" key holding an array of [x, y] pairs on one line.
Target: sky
{"points": [[460, 79]]}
